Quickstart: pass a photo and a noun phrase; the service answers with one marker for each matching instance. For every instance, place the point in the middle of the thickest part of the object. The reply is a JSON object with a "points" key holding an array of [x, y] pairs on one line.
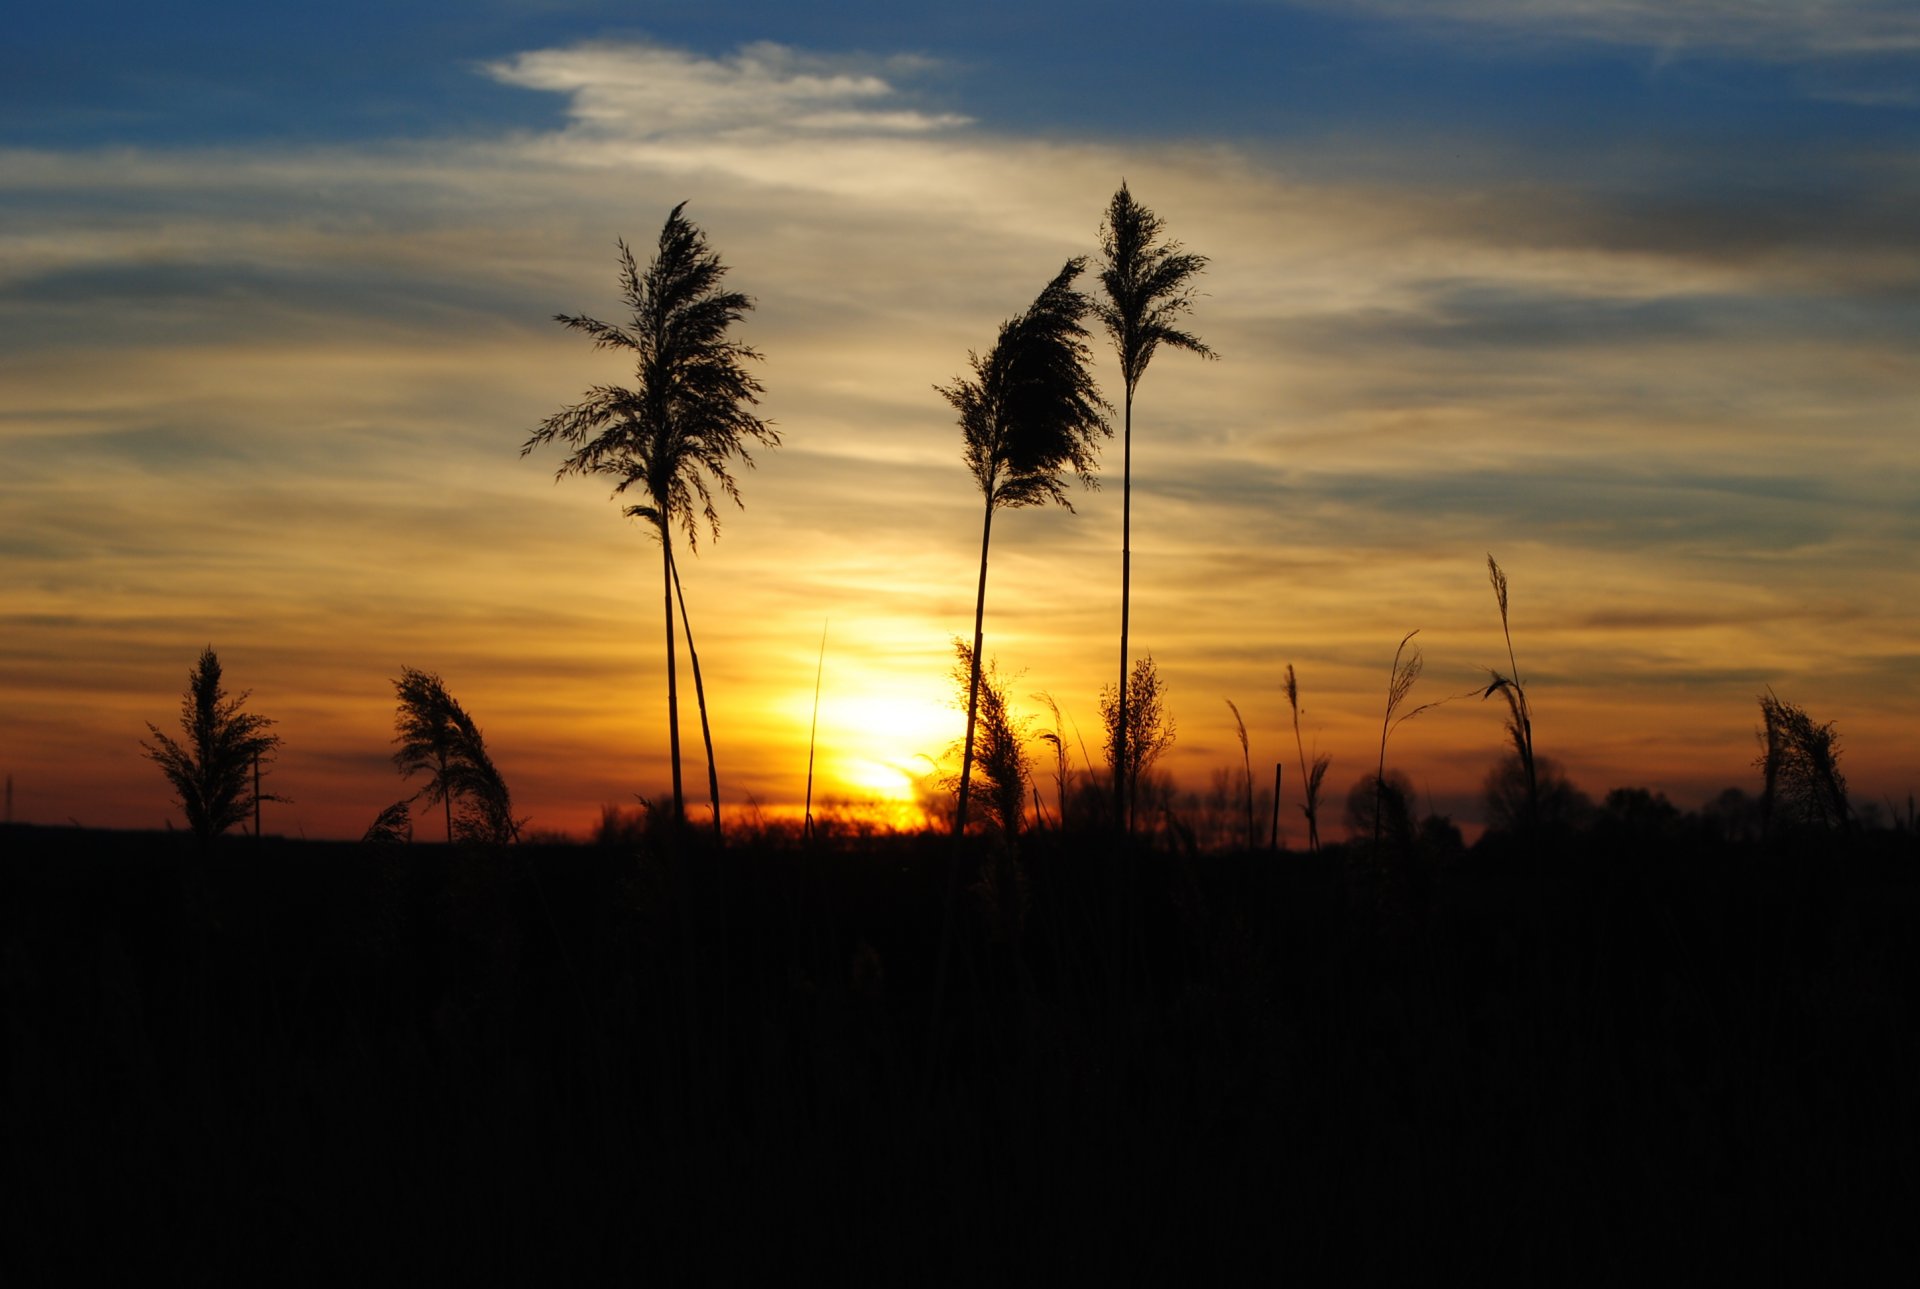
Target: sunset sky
{"points": [[1625, 292]]}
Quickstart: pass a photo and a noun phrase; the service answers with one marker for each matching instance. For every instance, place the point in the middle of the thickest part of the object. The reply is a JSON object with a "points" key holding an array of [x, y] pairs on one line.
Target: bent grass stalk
{"points": [[700, 697]]}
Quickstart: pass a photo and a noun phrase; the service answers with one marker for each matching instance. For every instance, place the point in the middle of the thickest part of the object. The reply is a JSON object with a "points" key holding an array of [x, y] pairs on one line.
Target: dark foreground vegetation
{"points": [[343, 1060]]}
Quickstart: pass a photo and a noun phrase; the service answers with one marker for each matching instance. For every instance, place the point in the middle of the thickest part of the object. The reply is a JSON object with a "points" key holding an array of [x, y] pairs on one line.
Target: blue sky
{"points": [[91, 73], [1626, 292]]}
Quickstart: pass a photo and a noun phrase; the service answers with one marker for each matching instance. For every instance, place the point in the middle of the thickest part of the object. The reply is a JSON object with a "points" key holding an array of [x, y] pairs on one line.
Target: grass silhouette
{"points": [[1508, 686], [1642, 1042], [1638, 1056], [1310, 778]]}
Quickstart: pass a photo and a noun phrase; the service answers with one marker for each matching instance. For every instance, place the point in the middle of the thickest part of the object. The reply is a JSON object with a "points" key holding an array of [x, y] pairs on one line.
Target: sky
{"points": [[1624, 293]]}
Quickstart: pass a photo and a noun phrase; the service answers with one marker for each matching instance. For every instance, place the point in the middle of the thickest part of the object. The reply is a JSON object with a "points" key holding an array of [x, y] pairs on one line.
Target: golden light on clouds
{"points": [[271, 400]]}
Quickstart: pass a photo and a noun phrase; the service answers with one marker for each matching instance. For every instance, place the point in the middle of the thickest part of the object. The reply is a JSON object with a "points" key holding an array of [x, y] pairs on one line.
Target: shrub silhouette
{"points": [[1380, 809], [1637, 817], [1546, 800], [214, 770]]}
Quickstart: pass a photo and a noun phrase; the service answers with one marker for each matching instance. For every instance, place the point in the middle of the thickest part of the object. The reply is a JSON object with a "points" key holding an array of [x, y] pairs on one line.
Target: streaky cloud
{"points": [[649, 91], [1772, 32]]}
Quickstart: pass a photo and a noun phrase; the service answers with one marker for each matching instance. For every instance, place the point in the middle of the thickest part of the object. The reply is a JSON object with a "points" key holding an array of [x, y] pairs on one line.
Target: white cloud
{"points": [[641, 91]]}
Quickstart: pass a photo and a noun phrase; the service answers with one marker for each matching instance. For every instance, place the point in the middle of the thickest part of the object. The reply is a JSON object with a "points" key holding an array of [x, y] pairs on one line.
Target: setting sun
{"points": [[883, 743], [1642, 371], [511, 510]]}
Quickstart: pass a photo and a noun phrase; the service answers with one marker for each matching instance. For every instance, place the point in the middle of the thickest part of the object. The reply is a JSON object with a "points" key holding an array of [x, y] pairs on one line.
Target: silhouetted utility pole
{"points": [[256, 794]]}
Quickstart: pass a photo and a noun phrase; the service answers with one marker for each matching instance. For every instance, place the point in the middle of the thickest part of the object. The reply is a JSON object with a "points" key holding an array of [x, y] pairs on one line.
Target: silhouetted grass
{"points": [[1624, 1057]]}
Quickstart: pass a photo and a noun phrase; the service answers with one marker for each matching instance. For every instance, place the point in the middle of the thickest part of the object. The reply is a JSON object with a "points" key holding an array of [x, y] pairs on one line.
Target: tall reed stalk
{"points": [[1246, 763], [700, 697], [1147, 285], [1056, 738], [1310, 780], [1519, 714], [813, 731], [1406, 670]]}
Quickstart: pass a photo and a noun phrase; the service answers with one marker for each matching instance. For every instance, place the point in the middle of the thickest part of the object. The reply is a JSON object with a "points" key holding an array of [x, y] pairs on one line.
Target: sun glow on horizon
{"points": [[882, 742], [1675, 408]]}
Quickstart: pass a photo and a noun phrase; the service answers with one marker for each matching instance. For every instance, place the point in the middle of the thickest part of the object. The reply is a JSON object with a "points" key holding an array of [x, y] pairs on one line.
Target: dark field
{"points": [[329, 1060]]}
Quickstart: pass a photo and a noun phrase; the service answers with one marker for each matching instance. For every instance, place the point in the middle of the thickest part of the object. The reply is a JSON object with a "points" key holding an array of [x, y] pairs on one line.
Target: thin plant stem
{"points": [[813, 731], [1122, 806], [673, 679], [700, 696]]}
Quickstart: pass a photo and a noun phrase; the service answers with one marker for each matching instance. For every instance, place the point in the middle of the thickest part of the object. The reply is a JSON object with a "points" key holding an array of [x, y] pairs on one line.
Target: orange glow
{"points": [[324, 483], [882, 743]]}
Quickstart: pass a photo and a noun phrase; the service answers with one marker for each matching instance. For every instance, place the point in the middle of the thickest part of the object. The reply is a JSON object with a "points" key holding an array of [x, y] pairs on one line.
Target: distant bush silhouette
{"points": [[436, 735], [1732, 816], [1149, 732], [1148, 289], [1380, 809], [1217, 814], [1800, 768], [1029, 412], [623, 826], [213, 771], [1547, 801], [676, 433], [1638, 817]]}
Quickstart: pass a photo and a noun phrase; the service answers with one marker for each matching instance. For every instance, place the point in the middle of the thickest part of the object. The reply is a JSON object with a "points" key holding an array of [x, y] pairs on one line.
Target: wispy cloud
{"points": [[1774, 30], [643, 91], [272, 397]]}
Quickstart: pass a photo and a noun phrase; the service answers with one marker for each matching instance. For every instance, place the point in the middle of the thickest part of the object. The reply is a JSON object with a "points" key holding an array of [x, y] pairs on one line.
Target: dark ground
{"points": [[326, 1060]]}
